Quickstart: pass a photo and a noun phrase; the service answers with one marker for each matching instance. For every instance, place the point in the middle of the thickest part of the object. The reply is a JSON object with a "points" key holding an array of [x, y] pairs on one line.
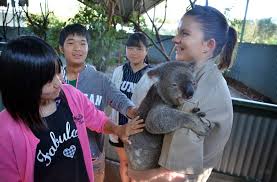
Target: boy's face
{"points": [[75, 49]]}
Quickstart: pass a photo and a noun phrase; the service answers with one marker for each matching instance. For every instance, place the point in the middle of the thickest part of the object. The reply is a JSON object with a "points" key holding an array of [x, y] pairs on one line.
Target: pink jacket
{"points": [[18, 143]]}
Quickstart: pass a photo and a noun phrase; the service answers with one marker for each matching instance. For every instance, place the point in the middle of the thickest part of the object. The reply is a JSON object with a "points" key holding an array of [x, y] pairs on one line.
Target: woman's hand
{"points": [[135, 126]]}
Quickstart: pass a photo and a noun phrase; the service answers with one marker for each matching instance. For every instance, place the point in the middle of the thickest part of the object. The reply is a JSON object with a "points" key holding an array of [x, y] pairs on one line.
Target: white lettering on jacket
{"points": [[47, 157], [95, 100], [127, 86]]}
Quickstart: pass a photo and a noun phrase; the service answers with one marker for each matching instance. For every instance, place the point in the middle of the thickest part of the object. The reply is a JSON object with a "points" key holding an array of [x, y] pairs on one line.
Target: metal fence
{"points": [[256, 67], [251, 151]]}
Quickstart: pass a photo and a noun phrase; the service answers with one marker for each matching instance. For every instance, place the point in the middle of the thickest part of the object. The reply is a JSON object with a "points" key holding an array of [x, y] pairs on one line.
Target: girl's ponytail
{"points": [[226, 55]]}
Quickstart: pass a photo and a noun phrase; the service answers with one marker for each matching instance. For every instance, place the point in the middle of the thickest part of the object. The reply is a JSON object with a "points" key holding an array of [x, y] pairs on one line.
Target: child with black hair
{"points": [[125, 78], [43, 133], [74, 43]]}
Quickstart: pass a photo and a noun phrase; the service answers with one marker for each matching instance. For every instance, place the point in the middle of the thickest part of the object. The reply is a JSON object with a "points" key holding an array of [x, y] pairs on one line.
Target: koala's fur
{"points": [[161, 111]]}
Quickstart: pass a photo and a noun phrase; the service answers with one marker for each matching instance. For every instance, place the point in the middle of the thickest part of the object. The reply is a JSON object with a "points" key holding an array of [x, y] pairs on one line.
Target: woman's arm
{"points": [[155, 175]]}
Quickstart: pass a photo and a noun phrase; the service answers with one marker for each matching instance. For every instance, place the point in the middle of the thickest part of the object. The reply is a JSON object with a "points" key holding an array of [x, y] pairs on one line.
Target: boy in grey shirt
{"points": [[73, 43]]}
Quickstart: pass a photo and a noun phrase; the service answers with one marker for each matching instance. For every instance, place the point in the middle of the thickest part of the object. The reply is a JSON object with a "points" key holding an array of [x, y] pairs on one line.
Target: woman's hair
{"points": [[215, 26], [26, 65], [138, 39]]}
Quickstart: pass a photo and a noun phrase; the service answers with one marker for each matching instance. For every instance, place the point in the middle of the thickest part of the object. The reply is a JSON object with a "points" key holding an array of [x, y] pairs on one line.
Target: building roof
{"points": [[125, 8]]}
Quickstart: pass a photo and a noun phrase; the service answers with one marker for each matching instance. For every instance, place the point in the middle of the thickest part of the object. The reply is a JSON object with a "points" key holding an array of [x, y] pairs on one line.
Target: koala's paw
{"points": [[196, 111], [201, 126]]}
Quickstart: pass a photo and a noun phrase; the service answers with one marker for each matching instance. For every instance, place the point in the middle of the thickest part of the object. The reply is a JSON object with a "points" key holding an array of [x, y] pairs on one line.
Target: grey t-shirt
{"points": [[101, 92]]}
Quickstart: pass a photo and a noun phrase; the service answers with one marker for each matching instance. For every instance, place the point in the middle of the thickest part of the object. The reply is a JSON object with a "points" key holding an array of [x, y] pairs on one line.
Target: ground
{"points": [[239, 90]]}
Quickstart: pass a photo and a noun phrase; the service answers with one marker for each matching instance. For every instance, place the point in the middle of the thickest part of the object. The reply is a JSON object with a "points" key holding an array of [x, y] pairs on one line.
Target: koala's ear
{"points": [[155, 72]]}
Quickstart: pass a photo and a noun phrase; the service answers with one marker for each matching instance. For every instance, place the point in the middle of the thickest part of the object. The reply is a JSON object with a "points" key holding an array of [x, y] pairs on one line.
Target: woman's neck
{"points": [[72, 71], [47, 107], [204, 59], [137, 67]]}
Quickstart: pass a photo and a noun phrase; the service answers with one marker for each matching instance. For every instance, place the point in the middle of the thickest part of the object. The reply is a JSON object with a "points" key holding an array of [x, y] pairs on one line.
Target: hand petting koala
{"points": [[161, 111]]}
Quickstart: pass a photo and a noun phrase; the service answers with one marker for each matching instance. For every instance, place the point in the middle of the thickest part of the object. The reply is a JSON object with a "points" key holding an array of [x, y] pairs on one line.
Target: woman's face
{"points": [[136, 55], [189, 41], [51, 90]]}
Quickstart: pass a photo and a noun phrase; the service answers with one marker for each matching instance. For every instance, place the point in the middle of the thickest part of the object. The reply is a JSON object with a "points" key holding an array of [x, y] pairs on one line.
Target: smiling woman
{"points": [[204, 38]]}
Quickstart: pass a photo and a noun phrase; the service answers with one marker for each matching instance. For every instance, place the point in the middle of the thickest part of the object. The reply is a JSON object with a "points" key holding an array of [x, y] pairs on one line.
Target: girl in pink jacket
{"points": [[43, 128]]}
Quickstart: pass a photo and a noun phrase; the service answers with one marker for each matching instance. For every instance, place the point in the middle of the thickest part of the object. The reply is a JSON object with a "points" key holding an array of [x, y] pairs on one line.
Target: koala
{"points": [[161, 111]]}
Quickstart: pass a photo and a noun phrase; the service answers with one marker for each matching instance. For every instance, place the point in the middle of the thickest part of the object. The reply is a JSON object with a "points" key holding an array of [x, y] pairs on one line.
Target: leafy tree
{"points": [[39, 24], [55, 25], [114, 16], [266, 31], [105, 39], [46, 28], [262, 31]]}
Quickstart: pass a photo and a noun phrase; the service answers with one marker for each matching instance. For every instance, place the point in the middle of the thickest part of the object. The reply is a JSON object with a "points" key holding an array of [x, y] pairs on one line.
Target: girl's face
{"points": [[51, 90], [136, 55], [189, 41]]}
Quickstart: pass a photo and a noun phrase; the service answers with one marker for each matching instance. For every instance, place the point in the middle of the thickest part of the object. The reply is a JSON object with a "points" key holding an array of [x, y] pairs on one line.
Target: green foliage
{"points": [[105, 39], [55, 26], [48, 28], [38, 24], [266, 31], [262, 31]]}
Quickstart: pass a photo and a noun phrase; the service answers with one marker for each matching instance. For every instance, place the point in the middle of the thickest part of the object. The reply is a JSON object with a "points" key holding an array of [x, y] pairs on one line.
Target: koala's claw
{"points": [[201, 114], [195, 110], [201, 127]]}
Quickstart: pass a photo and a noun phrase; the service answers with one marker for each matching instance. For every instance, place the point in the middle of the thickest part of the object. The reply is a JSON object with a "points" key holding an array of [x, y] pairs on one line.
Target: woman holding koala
{"points": [[205, 38]]}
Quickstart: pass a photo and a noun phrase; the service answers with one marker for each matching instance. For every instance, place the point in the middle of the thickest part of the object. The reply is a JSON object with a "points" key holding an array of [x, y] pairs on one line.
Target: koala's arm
{"points": [[163, 119]]}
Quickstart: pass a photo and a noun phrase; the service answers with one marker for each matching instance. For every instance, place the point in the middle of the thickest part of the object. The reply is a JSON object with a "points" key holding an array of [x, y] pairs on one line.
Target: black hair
{"points": [[26, 65], [73, 29], [135, 40], [215, 26]]}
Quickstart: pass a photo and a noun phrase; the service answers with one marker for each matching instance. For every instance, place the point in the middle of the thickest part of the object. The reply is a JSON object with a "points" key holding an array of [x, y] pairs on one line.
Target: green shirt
{"points": [[72, 82]]}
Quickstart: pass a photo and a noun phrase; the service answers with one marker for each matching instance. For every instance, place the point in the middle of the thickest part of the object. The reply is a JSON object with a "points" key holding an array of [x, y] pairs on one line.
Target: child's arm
{"points": [[8, 165], [96, 120], [118, 100], [124, 131]]}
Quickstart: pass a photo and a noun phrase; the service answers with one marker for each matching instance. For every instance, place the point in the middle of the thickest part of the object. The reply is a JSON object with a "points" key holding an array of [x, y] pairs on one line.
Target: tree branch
{"points": [[165, 8], [4, 22], [161, 49], [151, 40]]}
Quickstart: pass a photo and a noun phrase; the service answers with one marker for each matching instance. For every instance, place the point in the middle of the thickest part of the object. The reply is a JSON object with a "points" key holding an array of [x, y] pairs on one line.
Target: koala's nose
{"points": [[189, 91]]}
